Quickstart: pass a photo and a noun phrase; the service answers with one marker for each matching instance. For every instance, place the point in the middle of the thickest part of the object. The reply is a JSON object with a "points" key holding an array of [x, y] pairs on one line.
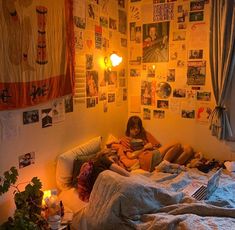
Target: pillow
{"points": [[64, 166]]}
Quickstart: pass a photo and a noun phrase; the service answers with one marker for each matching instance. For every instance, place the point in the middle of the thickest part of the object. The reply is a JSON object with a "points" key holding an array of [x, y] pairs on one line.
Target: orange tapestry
{"points": [[36, 51]]}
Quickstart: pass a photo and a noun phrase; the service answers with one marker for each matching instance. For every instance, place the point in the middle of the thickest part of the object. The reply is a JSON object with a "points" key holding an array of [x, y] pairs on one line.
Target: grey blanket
{"points": [[156, 202]]}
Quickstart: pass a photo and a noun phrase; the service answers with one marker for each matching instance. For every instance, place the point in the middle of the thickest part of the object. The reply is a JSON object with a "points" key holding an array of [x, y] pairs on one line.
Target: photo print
{"points": [[111, 97], [170, 75], [146, 90], [30, 117], [104, 22], [112, 78], [122, 73], [91, 83], [90, 102], [162, 104], [195, 54], [112, 24], [158, 114], [196, 16], [163, 12], [151, 71], [26, 159], [46, 117], [197, 5], [203, 96], [179, 36], [188, 114], [146, 114], [156, 42], [203, 113], [98, 37], [122, 22], [132, 31], [89, 61], [135, 72], [102, 95], [68, 103], [138, 34], [179, 92], [196, 73], [92, 11], [79, 14], [58, 110]]}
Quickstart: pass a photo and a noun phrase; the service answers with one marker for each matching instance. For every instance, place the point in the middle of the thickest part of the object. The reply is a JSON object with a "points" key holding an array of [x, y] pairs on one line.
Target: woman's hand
{"points": [[148, 146]]}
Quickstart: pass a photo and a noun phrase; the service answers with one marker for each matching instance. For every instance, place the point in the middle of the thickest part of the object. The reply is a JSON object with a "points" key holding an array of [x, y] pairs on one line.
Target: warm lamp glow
{"points": [[115, 59], [46, 196], [112, 61]]}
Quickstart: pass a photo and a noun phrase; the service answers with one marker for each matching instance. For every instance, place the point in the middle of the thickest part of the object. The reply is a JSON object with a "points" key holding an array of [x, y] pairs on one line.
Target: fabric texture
{"points": [[37, 55], [139, 202], [84, 181], [149, 159], [222, 63], [88, 174], [65, 161], [77, 164]]}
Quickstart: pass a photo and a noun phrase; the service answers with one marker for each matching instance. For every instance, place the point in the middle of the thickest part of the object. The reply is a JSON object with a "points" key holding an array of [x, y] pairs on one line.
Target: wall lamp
{"points": [[112, 61]]}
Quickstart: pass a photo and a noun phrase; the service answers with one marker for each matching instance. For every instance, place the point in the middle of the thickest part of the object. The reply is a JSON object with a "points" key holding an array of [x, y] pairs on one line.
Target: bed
{"points": [[149, 201]]}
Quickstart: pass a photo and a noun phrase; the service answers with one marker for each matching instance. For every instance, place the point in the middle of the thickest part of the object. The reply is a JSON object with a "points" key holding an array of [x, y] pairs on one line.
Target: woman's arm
{"points": [[116, 168], [151, 139]]}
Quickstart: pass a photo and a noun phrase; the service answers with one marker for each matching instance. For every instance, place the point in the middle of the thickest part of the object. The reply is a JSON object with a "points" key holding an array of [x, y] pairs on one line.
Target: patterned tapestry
{"points": [[36, 51]]}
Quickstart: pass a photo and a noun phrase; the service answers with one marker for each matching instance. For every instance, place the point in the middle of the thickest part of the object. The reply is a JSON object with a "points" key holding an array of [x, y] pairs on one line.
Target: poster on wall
{"points": [[92, 83], [46, 118], [146, 96], [79, 11], [196, 73], [163, 12], [203, 112], [156, 42], [30, 117], [31, 46]]}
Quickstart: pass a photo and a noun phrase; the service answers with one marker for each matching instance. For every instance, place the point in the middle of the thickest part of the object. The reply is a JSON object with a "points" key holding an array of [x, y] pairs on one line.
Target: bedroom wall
{"points": [[93, 113], [163, 71]]}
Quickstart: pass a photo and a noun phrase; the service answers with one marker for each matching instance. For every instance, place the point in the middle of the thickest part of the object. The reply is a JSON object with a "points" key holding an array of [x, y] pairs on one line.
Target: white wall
{"points": [[78, 127], [173, 127]]}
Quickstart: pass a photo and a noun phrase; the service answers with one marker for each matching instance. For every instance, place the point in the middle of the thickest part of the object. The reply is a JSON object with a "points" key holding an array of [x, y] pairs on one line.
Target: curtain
{"points": [[222, 64]]}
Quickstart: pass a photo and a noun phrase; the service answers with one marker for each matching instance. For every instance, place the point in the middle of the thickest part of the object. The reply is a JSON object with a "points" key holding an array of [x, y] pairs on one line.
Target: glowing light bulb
{"points": [[115, 59]]}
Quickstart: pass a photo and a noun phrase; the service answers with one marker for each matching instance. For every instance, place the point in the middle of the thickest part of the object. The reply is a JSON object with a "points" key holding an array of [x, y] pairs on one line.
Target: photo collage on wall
{"points": [[98, 30], [168, 56]]}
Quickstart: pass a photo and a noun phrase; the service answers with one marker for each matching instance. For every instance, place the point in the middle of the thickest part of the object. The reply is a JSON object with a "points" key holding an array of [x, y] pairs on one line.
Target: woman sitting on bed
{"points": [[139, 149]]}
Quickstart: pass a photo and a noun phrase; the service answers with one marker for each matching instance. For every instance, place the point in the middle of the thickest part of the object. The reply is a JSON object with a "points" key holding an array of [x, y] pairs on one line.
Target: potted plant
{"points": [[28, 203]]}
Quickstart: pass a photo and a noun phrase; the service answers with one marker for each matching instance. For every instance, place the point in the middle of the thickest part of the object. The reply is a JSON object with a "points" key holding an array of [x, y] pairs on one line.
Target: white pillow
{"points": [[64, 166]]}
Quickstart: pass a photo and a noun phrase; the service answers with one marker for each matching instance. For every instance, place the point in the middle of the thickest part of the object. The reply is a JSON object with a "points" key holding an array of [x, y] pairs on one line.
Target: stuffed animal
{"points": [[196, 161]]}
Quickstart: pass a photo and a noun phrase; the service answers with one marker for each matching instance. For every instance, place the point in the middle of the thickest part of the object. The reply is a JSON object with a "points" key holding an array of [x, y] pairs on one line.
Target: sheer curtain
{"points": [[222, 63]]}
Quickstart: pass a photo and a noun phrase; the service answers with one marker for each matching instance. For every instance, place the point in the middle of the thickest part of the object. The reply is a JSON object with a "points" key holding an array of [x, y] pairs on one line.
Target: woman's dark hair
{"points": [[136, 121]]}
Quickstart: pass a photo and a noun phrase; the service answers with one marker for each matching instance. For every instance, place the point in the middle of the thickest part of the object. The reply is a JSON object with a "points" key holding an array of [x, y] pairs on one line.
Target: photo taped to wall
{"points": [[26, 159], [156, 42], [30, 117]]}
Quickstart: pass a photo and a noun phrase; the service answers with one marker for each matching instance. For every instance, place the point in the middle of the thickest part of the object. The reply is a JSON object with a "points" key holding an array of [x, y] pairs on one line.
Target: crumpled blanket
{"points": [[139, 202]]}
